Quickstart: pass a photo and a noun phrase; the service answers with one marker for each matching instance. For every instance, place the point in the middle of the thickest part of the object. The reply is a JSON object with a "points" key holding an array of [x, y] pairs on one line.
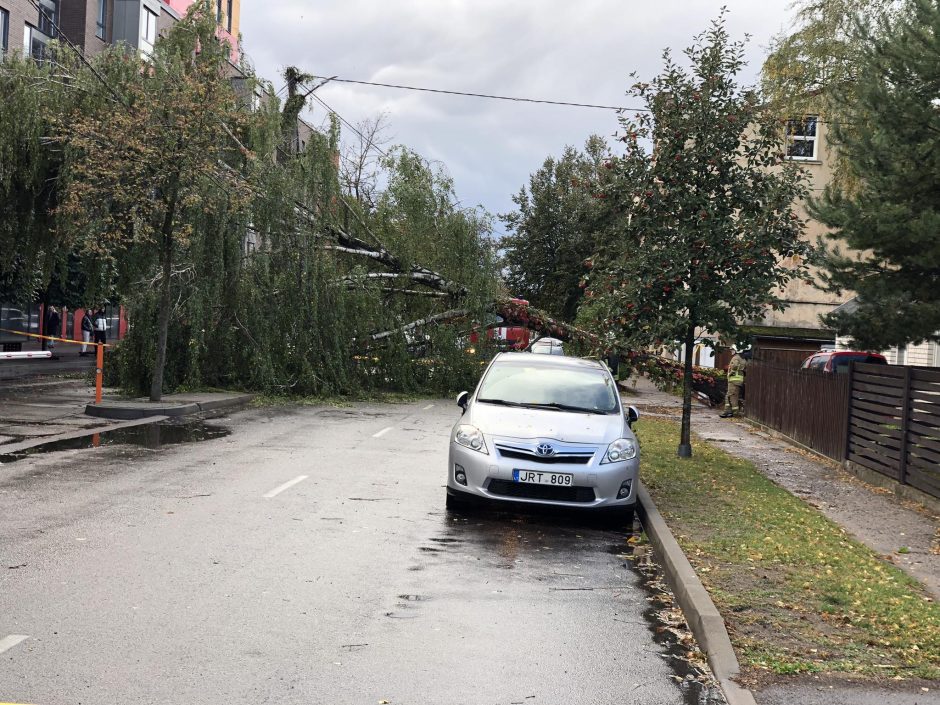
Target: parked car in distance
{"points": [[548, 346], [545, 429], [838, 360]]}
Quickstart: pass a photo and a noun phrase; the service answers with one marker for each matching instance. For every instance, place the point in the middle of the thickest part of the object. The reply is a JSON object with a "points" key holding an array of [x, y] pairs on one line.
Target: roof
{"points": [[538, 360], [780, 332], [849, 307]]}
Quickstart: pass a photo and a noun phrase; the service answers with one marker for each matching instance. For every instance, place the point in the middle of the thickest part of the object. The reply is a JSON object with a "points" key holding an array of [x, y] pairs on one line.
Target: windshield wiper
{"points": [[502, 402], [566, 407]]}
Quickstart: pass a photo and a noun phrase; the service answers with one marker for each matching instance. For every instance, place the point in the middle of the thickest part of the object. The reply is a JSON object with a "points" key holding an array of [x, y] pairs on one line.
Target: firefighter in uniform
{"points": [[735, 381]]}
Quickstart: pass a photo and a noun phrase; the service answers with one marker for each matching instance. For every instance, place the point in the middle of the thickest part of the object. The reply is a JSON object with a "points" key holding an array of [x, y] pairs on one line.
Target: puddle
{"points": [[154, 435]]}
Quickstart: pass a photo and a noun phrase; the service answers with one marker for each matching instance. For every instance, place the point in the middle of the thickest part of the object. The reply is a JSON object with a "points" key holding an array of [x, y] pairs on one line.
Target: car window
{"points": [[523, 384], [841, 363], [818, 362]]}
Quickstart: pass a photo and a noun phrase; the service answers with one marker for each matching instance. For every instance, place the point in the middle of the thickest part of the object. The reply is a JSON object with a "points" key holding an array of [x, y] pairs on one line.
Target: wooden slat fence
{"points": [[809, 406], [894, 423]]}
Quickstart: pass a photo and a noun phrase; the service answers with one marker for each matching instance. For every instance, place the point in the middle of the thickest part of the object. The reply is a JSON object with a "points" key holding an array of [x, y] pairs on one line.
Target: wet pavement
{"points": [[151, 435], [307, 558]]}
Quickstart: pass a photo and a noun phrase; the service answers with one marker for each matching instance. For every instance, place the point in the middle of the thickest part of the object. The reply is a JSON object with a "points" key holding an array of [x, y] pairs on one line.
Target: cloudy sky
{"points": [[582, 51]]}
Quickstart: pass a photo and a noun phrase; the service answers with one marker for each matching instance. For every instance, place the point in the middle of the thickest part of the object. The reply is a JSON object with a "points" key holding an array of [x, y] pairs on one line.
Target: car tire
{"points": [[619, 518], [455, 501]]}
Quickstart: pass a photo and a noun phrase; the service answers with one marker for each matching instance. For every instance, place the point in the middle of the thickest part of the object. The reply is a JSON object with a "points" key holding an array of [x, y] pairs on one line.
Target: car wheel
{"points": [[455, 501], [619, 518]]}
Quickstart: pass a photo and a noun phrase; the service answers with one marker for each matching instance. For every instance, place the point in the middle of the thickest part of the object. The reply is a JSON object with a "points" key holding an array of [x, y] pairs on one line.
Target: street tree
{"points": [[704, 230], [552, 232], [890, 142], [35, 95], [149, 163], [360, 168]]}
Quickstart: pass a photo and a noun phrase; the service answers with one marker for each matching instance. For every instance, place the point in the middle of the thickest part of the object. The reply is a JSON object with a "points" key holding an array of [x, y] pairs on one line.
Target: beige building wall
{"points": [[807, 302]]}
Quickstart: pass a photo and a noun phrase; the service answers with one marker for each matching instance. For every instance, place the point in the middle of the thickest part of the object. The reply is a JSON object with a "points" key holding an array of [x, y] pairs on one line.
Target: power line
{"points": [[348, 124], [485, 95]]}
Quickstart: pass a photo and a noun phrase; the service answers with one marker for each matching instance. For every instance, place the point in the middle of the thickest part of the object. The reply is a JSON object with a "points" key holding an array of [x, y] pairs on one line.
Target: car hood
{"points": [[566, 426]]}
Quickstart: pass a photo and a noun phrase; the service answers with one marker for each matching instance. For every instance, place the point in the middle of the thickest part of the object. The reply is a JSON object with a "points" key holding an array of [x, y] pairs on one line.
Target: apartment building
{"points": [[94, 24], [799, 327]]}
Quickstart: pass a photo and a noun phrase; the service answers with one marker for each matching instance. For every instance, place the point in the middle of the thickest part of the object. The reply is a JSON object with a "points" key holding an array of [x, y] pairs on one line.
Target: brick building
{"points": [[93, 24]]}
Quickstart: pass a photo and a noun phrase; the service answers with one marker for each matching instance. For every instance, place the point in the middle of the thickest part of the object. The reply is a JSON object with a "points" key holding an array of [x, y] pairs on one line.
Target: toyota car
{"points": [[545, 429]]}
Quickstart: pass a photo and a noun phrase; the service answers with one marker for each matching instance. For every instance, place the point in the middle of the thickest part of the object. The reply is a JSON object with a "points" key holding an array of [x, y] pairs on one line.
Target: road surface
{"points": [[307, 558]]}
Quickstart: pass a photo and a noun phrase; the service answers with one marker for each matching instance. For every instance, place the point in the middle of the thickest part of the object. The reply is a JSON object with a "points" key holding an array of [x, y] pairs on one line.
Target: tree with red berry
{"points": [[703, 233]]}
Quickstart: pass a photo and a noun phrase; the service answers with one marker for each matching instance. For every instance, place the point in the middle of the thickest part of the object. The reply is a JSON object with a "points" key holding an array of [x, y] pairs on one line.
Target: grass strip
{"points": [[798, 594]]}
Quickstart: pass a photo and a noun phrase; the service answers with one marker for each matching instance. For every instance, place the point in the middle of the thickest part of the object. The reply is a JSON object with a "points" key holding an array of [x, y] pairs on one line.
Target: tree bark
{"points": [[163, 319], [685, 437]]}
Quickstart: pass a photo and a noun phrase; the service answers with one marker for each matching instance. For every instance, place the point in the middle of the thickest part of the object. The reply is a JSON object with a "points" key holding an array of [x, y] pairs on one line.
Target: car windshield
{"points": [[841, 362], [565, 389]]}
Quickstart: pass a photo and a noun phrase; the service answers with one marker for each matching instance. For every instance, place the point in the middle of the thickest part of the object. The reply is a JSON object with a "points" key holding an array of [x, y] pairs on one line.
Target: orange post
{"points": [[99, 368]]}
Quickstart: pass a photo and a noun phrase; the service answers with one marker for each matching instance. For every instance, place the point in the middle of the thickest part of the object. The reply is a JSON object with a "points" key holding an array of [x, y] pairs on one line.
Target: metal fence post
{"points": [[905, 420]]}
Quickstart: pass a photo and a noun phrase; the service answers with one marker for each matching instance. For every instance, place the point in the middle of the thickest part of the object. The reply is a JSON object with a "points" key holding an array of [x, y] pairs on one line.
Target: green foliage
{"points": [[30, 170], [822, 53], [238, 260], [889, 143], [552, 235], [705, 230]]}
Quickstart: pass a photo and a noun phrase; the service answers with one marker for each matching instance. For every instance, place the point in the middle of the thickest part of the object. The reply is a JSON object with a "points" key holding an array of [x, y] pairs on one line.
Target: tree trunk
{"points": [[685, 439], [163, 319]]}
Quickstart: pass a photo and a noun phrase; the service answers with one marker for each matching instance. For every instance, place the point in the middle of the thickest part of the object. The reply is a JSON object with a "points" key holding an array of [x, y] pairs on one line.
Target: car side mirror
{"points": [[632, 415], [463, 399]]}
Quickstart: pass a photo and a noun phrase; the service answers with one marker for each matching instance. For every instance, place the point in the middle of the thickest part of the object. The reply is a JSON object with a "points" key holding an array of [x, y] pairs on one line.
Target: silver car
{"points": [[545, 429], [548, 346]]}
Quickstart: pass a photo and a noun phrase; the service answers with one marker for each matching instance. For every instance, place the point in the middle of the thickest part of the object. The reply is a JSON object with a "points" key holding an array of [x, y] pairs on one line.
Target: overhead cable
{"points": [[484, 95]]}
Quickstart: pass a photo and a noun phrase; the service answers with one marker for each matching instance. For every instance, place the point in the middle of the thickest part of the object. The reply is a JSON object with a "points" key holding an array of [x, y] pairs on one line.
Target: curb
{"points": [[115, 410], [703, 617]]}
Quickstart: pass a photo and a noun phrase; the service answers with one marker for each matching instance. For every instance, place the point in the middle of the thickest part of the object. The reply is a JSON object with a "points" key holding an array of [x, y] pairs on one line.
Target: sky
{"points": [[582, 51]]}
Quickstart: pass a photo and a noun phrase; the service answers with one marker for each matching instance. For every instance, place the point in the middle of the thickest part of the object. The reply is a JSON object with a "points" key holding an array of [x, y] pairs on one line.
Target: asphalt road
{"points": [[307, 558]]}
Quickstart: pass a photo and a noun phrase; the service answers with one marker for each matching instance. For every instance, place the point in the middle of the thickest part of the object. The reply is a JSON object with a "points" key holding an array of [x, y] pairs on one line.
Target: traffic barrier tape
{"points": [[50, 337]]}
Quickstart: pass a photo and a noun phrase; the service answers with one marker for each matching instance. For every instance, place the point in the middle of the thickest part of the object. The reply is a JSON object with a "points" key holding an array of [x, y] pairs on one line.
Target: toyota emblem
{"points": [[545, 450]]}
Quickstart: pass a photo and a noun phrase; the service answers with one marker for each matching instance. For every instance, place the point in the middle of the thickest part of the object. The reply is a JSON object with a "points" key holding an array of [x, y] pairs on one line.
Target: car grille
{"points": [[570, 458], [525, 490]]}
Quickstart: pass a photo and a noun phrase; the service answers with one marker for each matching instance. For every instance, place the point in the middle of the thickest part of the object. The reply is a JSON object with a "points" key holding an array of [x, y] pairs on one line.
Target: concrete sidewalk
{"points": [[875, 517]]}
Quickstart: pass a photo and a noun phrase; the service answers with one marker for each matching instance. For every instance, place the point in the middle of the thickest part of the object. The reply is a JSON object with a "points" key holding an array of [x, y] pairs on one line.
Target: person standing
{"points": [[53, 326], [88, 327], [736, 369], [101, 327]]}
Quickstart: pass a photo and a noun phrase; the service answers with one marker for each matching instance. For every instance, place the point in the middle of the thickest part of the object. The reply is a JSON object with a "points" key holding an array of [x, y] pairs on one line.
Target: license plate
{"points": [[543, 478]]}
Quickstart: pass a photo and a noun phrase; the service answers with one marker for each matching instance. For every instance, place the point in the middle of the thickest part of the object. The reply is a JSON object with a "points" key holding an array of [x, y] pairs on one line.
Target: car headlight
{"points": [[621, 449], [470, 437]]}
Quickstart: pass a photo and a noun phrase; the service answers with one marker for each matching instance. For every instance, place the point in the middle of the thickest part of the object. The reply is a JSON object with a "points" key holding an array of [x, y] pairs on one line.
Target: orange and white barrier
{"points": [[25, 355]]}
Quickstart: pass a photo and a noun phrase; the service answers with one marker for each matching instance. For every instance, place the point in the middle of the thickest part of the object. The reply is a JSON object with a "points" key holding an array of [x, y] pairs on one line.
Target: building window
{"points": [[102, 18], [218, 11], [228, 17], [801, 138], [48, 17], [148, 31], [35, 43], [4, 30]]}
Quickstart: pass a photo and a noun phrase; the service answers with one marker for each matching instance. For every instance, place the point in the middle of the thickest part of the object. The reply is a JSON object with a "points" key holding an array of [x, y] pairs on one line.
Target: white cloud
{"points": [[573, 51]]}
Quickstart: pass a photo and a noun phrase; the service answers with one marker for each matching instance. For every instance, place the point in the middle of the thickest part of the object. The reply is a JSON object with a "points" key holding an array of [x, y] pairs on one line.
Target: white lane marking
{"points": [[429, 406], [287, 485], [9, 642], [382, 432]]}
